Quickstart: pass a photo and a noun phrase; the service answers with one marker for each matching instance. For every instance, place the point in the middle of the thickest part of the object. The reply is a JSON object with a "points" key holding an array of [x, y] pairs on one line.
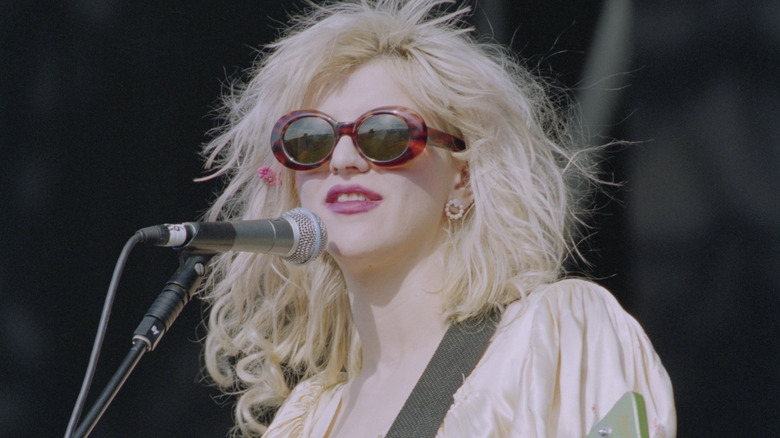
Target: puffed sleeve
{"points": [[289, 420], [585, 353], [307, 403]]}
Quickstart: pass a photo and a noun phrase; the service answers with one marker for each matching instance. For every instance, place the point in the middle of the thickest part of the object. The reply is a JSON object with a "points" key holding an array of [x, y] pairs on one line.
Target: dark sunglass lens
{"points": [[309, 139], [383, 137]]}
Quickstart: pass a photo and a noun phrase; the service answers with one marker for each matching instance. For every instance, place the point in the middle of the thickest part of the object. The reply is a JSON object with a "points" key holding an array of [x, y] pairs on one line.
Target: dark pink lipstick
{"points": [[351, 199]]}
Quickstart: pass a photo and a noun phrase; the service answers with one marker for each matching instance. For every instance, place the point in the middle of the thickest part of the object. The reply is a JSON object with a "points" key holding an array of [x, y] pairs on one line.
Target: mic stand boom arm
{"points": [[158, 319]]}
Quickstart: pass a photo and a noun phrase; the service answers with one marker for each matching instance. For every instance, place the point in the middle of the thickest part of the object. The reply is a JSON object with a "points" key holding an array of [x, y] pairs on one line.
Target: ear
{"points": [[461, 190]]}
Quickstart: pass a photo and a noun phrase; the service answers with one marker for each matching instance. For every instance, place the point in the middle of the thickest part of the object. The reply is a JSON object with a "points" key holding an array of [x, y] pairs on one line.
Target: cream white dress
{"points": [[558, 362]]}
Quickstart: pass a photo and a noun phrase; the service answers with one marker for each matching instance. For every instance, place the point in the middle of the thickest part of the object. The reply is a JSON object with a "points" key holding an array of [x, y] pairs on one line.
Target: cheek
{"points": [[435, 179], [306, 184]]}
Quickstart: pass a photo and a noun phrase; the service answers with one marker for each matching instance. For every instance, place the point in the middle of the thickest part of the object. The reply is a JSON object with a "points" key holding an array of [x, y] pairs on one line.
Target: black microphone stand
{"points": [[158, 319]]}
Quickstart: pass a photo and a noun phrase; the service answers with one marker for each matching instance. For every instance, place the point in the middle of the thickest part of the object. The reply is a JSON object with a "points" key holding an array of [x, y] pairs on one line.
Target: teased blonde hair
{"points": [[269, 320]]}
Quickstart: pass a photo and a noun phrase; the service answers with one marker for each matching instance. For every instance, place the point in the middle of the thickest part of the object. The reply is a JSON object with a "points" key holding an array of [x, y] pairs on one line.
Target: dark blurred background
{"points": [[104, 104]]}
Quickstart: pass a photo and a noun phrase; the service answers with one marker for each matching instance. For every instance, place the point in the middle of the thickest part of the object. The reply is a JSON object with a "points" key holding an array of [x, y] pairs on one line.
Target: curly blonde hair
{"points": [[271, 321]]}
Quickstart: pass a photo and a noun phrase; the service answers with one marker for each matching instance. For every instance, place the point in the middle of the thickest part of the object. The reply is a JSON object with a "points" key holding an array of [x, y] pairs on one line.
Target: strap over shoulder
{"points": [[455, 358]]}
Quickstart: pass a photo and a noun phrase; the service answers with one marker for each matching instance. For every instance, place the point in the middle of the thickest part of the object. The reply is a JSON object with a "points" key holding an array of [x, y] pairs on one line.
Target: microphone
{"points": [[298, 236]]}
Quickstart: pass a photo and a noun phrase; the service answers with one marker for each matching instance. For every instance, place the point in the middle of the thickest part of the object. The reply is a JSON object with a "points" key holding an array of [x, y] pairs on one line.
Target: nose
{"points": [[346, 158]]}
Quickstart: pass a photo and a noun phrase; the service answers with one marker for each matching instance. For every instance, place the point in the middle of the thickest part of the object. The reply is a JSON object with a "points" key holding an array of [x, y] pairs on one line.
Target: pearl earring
{"points": [[454, 209]]}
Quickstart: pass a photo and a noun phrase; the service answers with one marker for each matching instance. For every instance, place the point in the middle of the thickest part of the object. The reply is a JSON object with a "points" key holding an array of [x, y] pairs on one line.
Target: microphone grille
{"points": [[312, 236]]}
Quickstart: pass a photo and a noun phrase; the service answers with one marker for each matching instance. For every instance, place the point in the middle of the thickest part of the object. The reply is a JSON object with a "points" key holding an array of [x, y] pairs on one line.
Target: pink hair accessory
{"points": [[266, 173]]}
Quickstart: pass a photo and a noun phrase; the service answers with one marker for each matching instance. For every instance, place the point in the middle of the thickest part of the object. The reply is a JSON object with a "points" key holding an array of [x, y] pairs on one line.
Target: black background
{"points": [[104, 105]]}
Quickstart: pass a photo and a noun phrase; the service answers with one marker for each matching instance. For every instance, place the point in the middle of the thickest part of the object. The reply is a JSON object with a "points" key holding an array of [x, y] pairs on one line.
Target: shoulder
{"points": [[572, 318], [575, 333], [290, 419], [582, 351], [558, 321], [301, 408], [574, 293], [567, 303]]}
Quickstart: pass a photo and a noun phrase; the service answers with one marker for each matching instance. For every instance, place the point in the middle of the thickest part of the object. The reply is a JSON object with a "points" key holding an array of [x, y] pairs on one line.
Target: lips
{"points": [[351, 199]]}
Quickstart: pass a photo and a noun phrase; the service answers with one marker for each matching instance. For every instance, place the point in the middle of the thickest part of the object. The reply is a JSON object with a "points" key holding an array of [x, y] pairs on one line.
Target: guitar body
{"points": [[627, 419]]}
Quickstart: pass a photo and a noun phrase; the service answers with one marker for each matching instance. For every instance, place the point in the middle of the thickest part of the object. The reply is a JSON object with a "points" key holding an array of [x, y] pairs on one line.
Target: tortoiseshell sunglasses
{"points": [[387, 136]]}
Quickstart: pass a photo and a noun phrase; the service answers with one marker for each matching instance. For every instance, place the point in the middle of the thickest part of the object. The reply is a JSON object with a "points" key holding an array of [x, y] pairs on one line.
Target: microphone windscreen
{"points": [[312, 235]]}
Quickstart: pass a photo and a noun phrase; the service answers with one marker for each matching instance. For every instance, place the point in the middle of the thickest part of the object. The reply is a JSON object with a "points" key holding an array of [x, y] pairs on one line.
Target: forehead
{"points": [[365, 88]]}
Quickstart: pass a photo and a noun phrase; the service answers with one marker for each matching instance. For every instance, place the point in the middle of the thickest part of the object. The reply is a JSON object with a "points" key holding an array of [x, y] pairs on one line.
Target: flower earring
{"points": [[454, 209]]}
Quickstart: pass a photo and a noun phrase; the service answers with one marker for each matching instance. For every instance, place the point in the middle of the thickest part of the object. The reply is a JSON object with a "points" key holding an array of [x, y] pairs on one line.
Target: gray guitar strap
{"points": [[454, 359]]}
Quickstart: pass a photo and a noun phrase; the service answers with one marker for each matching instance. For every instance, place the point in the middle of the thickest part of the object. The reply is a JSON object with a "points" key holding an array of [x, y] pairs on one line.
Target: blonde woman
{"points": [[473, 223]]}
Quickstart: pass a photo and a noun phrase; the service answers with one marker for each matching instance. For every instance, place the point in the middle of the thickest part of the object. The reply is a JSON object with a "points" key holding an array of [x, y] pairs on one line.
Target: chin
{"points": [[355, 251], [346, 253]]}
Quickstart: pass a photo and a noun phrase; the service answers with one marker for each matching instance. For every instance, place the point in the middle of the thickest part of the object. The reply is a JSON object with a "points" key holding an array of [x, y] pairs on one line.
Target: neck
{"points": [[397, 312]]}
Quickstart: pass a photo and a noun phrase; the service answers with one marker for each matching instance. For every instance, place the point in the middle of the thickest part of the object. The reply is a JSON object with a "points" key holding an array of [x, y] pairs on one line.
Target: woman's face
{"points": [[376, 216]]}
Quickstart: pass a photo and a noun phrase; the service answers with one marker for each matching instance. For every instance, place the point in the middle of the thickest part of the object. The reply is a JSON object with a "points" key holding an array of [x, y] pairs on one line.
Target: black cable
{"points": [[101, 332]]}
